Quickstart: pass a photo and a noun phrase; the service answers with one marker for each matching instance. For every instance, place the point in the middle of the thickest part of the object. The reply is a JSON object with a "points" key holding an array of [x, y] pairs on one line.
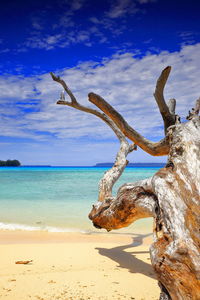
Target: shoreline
{"points": [[143, 226], [40, 237], [75, 266]]}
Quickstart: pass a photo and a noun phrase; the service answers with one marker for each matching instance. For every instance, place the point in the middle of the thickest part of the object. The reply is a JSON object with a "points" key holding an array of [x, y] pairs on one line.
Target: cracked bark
{"points": [[171, 196]]}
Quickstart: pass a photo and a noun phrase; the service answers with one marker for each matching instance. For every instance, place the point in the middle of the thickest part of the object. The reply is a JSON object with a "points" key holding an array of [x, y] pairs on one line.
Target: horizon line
{"points": [[96, 165]]}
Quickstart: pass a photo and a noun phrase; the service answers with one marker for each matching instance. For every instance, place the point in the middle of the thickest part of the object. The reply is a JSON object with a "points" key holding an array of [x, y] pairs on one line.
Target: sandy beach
{"points": [[76, 266]]}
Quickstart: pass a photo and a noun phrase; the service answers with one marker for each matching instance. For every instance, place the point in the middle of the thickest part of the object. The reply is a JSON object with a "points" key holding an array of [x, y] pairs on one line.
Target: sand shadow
{"points": [[127, 259]]}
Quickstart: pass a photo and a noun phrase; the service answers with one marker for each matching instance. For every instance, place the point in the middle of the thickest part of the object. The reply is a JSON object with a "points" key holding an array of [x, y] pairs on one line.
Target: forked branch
{"points": [[112, 175], [65, 87], [154, 148], [75, 104], [122, 129]]}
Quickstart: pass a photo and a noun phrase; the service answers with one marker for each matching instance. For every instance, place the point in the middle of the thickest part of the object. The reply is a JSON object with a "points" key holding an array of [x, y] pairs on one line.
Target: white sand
{"points": [[75, 266]]}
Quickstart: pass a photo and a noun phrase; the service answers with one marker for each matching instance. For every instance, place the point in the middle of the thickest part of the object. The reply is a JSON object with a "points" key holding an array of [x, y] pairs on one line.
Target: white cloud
{"points": [[76, 4], [6, 50], [36, 24], [66, 29], [65, 21], [58, 35], [47, 42], [120, 8], [146, 1], [62, 40], [188, 37], [28, 107]]}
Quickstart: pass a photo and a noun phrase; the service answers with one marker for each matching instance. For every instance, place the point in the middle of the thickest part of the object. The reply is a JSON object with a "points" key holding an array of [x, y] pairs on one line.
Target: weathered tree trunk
{"points": [[171, 196], [175, 254]]}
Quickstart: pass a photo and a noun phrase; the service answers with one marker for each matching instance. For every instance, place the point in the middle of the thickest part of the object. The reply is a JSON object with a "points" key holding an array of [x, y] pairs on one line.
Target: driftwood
{"points": [[23, 262], [171, 196]]}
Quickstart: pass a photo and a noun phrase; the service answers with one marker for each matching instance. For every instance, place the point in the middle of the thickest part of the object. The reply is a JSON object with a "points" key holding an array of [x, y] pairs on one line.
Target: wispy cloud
{"points": [[120, 8], [62, 40], [67, 29], [188, 37], [146, 1], [65, 21], [5, 50], [47, 42], [76, 4], [28, 104], [37, 23], [118, 11]]}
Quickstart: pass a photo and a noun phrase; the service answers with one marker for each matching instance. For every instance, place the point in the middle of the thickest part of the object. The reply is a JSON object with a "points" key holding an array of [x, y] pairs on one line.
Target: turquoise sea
{"points": [[56, 198]]}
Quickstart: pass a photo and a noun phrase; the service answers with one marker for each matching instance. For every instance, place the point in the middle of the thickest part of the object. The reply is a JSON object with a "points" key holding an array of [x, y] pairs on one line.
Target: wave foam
{"points": [[23, 227]]}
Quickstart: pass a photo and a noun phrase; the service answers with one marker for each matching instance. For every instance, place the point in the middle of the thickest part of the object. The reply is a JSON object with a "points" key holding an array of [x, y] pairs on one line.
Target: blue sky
{"points": [[115, 48]]}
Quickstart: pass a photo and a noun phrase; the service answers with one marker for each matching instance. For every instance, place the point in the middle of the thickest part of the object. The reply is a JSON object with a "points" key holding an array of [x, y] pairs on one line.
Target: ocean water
{"points": [[56, 198]]}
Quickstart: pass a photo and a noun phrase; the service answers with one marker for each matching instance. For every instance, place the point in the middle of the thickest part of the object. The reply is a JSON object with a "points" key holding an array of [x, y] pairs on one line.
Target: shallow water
{"points": [[56, 198]]}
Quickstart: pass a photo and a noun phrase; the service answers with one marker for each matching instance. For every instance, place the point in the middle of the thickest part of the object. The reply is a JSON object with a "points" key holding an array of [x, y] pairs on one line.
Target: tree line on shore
{"points": [[10, 163]]}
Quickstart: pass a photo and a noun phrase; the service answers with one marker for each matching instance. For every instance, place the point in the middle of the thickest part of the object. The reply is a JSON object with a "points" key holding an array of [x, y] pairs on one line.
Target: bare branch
{"points": [[75, 104], [168, 118], [153, 148], [158, 94], [197, 106], [112, 175], [172, 106], [195, 110], [67, 90]]}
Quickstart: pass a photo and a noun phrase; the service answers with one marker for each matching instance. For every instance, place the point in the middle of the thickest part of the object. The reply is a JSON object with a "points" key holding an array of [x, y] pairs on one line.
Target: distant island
{"points": [[136, 165], [10, 163]]}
